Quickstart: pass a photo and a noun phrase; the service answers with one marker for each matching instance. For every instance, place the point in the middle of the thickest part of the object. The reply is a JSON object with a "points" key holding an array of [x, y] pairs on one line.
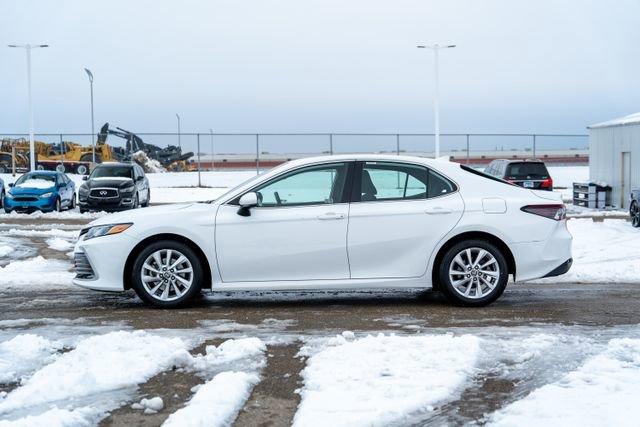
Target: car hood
{"points": [[16, 191], [108, 183], [155, 213]]}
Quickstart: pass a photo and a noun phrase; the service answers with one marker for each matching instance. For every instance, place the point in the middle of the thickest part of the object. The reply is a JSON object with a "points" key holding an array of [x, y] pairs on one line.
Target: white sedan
{"points": [[335, 223]]}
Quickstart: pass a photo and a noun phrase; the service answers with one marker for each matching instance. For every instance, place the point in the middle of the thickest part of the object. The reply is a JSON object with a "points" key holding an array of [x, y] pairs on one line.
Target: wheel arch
{"points": [[128, 266], [469, 235]]}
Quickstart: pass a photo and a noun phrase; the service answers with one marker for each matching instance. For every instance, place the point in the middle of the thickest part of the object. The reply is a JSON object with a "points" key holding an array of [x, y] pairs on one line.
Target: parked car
{"points": [[336, 222], [114, 187], [2, 193], [634, 208], [41, 191], [528, 173]]}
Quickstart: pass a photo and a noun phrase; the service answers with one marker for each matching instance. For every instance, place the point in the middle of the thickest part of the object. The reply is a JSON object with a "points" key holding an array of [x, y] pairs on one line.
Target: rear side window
{"points": [[483, 174], [526, 170]]}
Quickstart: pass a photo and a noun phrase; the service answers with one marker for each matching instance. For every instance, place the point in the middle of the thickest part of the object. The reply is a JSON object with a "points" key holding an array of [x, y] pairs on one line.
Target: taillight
{"points": [[547, 183], [556, 212]]}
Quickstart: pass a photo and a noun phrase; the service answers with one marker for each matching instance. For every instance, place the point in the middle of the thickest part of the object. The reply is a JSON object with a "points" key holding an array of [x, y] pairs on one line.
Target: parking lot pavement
{"points": [[293, 326]]}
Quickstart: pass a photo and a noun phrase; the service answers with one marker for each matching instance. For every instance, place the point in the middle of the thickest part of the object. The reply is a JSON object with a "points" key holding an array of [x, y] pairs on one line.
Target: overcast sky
{"points": [[327, 65]]}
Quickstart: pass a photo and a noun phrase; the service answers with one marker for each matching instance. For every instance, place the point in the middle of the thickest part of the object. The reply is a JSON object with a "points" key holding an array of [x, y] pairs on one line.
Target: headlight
{"points": [[46, 195], [104, 230], [128, 189]]}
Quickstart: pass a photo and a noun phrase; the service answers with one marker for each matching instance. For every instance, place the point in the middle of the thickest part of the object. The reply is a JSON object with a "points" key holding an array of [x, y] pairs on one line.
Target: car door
{"points": [[297, 232], [400, 211], [142, 183], [63, 191]]}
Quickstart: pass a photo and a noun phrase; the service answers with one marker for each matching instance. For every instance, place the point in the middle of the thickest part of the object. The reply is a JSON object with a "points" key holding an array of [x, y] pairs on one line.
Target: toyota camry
{"points": [[335, 223]]}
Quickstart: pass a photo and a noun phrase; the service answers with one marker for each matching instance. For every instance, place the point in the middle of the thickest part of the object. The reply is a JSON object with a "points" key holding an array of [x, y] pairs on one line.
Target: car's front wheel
{"points": [[634, 212], [167, 274], [473, 273]]}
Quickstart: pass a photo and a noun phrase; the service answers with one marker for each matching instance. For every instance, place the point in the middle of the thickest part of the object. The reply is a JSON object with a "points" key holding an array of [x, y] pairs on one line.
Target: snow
{"points": [[250, 349], [150, 406], [98, 364], [600, 392], [35, 272], [5, 250], [38, 183], [59, 244], [379, 380], [80, 417], [626, 120], [23, 354], [217, 402], [68, 214], [54, 232], [603, 252]]}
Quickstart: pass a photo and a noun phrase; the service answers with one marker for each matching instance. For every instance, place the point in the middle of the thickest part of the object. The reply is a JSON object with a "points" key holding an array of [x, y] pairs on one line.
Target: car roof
{"points": [[114, 164], [44, 173]]}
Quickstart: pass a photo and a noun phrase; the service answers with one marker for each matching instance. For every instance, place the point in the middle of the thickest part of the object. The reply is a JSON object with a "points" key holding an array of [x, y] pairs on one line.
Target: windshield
{"points": [[36, 181], [113, 172], [528, 170]]}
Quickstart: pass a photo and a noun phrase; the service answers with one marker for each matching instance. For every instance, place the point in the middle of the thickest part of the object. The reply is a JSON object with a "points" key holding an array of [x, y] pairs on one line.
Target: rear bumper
{"points": [[561, 269]]}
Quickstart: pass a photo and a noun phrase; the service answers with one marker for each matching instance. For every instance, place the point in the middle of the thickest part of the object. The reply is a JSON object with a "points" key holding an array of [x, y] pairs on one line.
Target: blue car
{"points": [[1, 193], [634, 209], [41, 191]]}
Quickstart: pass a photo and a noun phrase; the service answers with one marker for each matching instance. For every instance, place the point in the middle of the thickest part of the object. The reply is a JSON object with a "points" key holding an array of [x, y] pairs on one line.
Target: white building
{"points": [[614, 156]]}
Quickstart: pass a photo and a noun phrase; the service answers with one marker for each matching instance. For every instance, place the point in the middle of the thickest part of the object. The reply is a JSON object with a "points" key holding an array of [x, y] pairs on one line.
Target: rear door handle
{"points": [[438, 210], [330, 216]]}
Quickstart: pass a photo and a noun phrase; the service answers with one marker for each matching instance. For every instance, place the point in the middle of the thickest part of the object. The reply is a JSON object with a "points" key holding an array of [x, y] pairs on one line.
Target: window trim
{"points": [[346, 193], [357, 182]]}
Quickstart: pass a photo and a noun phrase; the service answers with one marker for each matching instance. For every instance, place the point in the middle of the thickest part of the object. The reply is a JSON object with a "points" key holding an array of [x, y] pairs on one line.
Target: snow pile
{"points": [[149, 165], [34, 273], [603, 252], [150, 406], [24, 354], [68, 214], [5, 250], [59, 244], [380, 380], [217, 402], [79, 417], [249, 350], [98, 364], [600, 392], [38, 183], [54, 232]]}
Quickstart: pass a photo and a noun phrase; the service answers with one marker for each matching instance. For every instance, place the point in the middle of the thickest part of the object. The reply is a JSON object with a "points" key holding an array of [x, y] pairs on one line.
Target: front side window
{"points": [[395, 181], [323, 184]]}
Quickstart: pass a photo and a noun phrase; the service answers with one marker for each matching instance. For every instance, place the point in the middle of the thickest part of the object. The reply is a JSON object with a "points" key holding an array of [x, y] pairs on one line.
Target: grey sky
{"points": [[299, 65]]}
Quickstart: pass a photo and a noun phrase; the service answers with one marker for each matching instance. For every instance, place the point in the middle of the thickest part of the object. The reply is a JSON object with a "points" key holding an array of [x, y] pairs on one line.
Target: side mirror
{"points": [[85, 177], [247, 201], [139, 178], [11, 184]]}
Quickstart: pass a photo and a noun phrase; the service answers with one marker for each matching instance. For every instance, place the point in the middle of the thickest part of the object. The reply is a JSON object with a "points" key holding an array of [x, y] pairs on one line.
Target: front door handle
{"points": [[438, 210], [330, 216]]}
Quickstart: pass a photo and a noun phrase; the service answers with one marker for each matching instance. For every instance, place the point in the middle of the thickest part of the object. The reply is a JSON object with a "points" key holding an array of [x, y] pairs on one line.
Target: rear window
{"points": [[528, 170], [483, 174]]}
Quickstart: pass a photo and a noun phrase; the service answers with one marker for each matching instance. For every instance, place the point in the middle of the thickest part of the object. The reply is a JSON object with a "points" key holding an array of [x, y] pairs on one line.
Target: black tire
{"points": [[634, 212], [136, 201], [1, 199], [88, 157], [58, 207], [82, 210], [72, 205], [189, 295], [447, 287], [146, 202]]}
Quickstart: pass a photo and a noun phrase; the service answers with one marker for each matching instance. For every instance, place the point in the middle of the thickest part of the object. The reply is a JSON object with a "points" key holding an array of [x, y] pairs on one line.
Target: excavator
{"points": [[170, 158]]}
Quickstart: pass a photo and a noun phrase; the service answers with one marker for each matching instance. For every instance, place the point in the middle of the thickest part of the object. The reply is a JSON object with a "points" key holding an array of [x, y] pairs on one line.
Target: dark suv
{"points": [[114, 187], [525, 173]]}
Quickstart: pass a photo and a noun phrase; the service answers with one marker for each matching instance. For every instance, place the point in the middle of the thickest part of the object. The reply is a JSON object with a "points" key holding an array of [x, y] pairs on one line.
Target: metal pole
{"points": [[199, 178], [13, 160], [331, 144], [32, 144], [467, 148], [534, 145], [179, 142], [61, 147], [436, 103], [398, 144], [212, 151], [93, 131], [257, 154]]}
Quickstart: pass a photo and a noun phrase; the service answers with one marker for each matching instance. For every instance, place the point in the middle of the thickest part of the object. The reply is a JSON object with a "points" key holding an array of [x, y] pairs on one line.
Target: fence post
{"points": [[257, 154], [467, 148], [397, 144], [62, 148], [331, 144], [199, 178], [534, 145]]}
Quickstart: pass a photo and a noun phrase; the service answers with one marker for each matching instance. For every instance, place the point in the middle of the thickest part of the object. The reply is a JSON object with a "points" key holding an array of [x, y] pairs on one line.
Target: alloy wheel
{"points": [[166, 274], [474, 273]]}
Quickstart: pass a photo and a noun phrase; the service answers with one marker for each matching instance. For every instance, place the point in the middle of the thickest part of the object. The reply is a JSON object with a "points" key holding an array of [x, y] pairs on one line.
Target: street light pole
{"points": [[93, 133], [212, 152], [179, 143], [32, 145], [436, 98]]}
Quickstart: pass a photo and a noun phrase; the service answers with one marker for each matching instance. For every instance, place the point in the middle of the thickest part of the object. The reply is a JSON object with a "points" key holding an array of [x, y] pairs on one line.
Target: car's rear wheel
{"points": [[473, 273], [167, 274], [634, 211]]}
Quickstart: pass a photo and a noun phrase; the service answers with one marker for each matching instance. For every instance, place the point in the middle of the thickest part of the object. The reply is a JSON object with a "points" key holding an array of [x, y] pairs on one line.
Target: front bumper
{"points": [[45, 205], [121, 203], [106, 256]]}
